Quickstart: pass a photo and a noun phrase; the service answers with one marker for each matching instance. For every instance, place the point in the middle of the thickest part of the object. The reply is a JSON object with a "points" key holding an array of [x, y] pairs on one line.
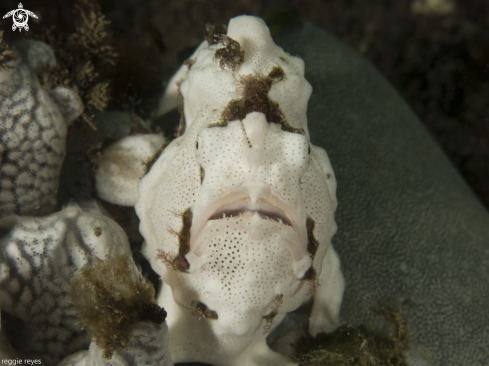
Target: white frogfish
{"points": [[237, 213]]}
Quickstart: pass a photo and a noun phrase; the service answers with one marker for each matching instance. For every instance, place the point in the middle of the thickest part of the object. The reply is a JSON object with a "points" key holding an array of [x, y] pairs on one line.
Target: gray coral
{"points": [[38, 262], [33, 130]]}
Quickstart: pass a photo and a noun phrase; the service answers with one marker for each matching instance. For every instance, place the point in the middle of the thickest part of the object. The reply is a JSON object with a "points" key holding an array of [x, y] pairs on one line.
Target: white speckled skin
{"points": [[122, 165], [38, 261], [253, 189]]}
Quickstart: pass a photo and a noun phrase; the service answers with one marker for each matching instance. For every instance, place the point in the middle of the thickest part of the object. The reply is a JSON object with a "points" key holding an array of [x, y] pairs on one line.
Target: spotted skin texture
{"points": [[38, 260], [121, 166], [32, 134], [251, 185]]}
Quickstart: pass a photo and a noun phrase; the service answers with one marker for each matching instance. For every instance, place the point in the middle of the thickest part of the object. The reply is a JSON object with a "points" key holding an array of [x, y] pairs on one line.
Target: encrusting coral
{"points": [[43, 88], [33, 130], [110, 296], [38, 261]]}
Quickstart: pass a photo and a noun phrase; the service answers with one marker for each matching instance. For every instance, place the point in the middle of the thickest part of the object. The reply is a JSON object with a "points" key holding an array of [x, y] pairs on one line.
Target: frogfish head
{"points": [[238, 212]]}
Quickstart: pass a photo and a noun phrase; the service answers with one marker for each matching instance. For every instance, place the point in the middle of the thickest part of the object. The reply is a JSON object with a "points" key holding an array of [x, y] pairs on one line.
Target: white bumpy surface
{"points": [[148, 346], [122, 165], [33, 131], [249, 187], [38, 261]]}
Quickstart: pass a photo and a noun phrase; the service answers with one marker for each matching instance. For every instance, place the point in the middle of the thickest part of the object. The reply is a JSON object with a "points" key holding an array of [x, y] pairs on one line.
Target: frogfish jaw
{"points": [[245, 268], [251, 198]]}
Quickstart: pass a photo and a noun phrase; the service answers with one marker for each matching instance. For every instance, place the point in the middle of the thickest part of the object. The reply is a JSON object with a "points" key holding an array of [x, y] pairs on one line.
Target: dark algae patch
{"points": [[110, 296], [179, 262], [230, 56], [310, 275], [312, 243], [271, 317], [360, 345], [184, 242], [254, 90], [155, 157], [202, 311], [83, 51]]}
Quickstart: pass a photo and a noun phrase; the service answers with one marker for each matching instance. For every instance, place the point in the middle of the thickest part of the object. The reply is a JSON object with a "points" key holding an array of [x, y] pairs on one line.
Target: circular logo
{"points": [[20, 17]]}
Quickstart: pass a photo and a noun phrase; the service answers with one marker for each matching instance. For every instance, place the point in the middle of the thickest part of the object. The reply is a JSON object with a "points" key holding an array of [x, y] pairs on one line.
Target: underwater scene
{"points": [[244, 183]]}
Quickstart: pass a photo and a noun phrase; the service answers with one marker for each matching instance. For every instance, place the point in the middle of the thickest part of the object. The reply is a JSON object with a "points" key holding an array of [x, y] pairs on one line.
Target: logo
{"points": [[20, 17]]}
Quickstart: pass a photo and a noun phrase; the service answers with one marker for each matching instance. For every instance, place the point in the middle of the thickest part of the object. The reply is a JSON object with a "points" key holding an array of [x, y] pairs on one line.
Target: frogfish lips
{"points": [[249, 199]]}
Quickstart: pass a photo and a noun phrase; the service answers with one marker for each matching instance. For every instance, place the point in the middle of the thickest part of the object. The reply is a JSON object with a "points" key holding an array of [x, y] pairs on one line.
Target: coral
{"points": [[148, 345], [33, 128], [110, 296], [97, 97], [117, 304], [82, 54], [38, 261]]}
